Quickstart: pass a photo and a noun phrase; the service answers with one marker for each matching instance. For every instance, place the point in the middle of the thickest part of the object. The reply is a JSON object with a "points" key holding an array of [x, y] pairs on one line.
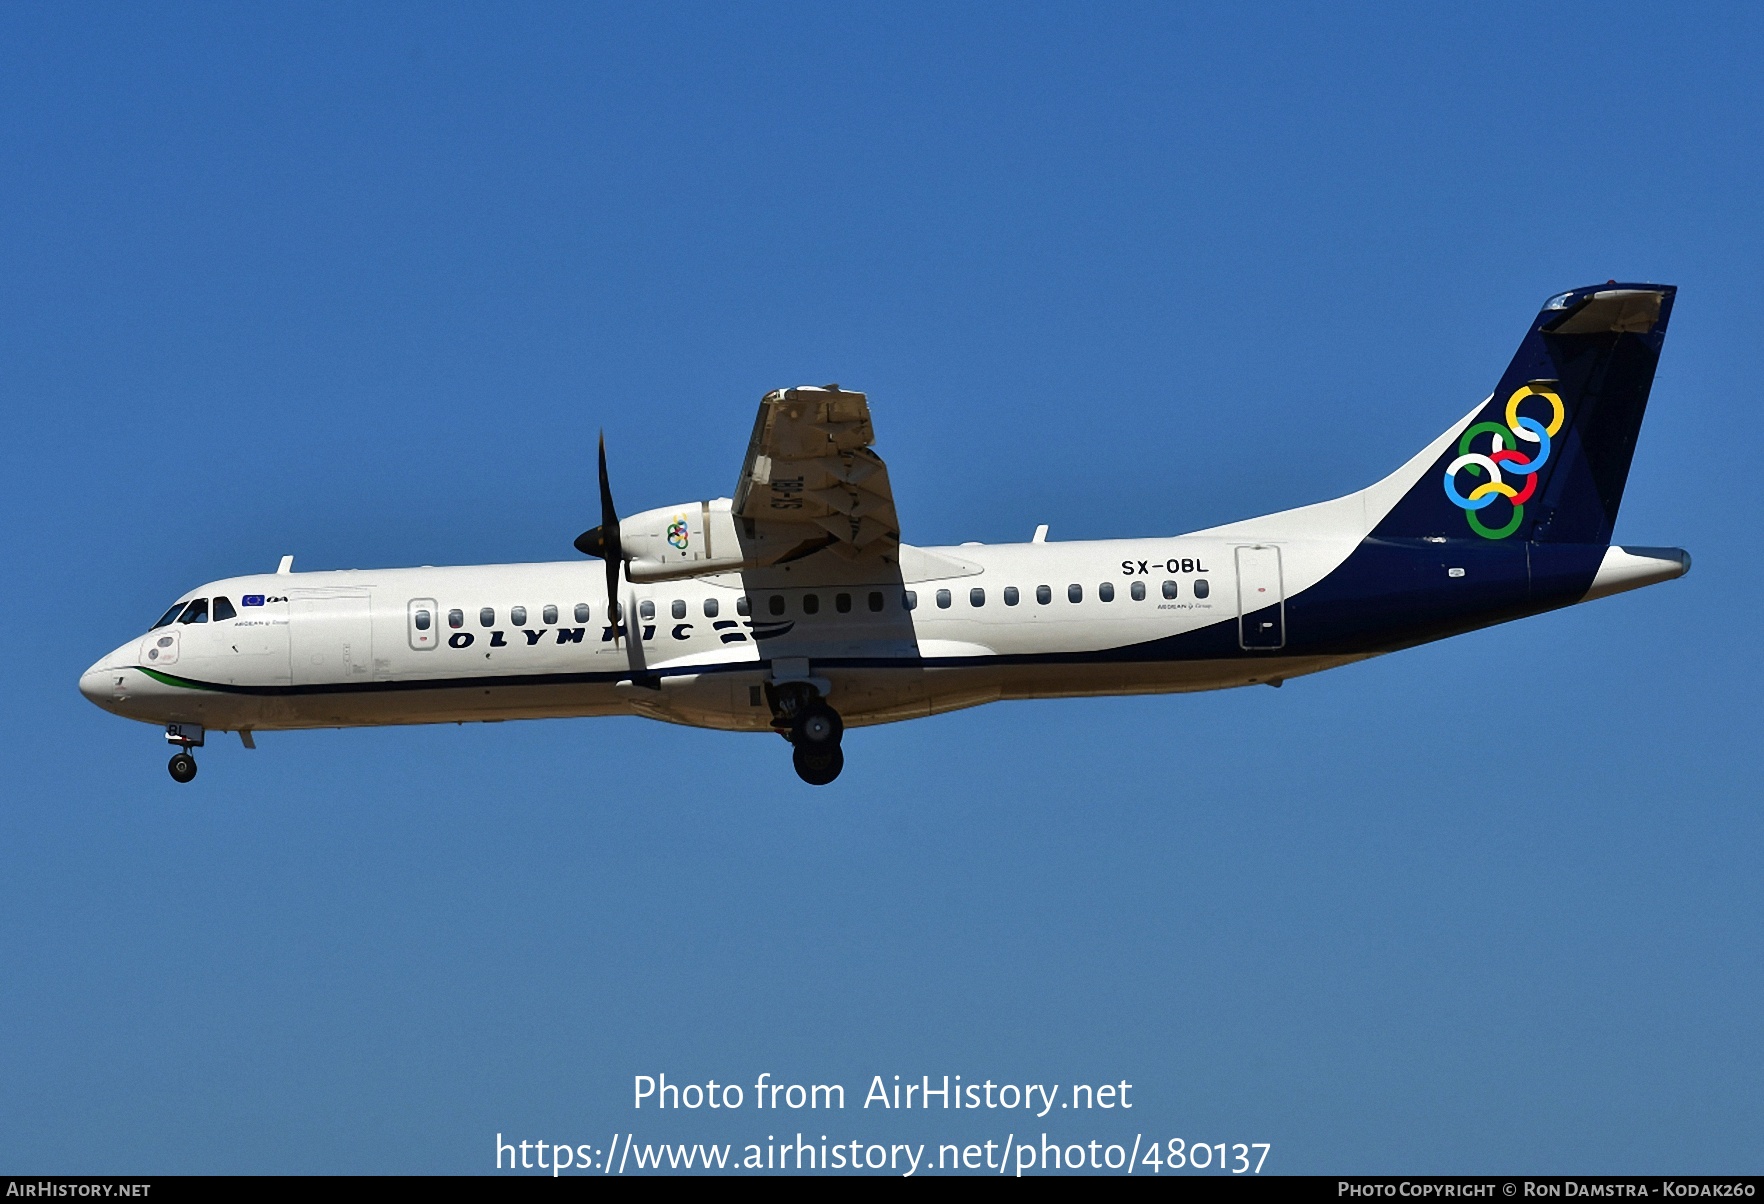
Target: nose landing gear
{"points": [[814, 730], [186, 736], [182, 766]]}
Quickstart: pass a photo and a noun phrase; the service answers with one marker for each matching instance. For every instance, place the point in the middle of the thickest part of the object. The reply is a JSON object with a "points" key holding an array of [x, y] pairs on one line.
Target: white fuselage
{"points": [[495, 642]]}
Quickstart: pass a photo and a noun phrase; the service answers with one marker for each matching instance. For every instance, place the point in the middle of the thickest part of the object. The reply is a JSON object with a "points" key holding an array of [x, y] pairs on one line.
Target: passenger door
{"points": [[422, 623], [1261, 607]]}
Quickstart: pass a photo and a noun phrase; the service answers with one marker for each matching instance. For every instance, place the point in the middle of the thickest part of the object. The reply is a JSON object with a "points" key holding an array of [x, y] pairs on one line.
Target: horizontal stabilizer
{"points": [[1631, 568]]}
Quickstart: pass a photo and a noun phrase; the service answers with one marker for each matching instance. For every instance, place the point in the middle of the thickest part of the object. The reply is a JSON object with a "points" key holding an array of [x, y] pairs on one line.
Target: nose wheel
{"points": [[185, 736]]}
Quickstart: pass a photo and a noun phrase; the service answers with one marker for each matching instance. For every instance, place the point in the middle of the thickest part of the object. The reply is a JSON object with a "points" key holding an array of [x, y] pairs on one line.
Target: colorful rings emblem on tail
{"points": [[1504, 460]]}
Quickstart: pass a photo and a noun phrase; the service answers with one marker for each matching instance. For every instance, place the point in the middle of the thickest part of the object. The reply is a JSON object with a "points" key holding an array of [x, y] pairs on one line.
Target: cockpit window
{"points": [[223, 610], [196, 612], [166, 618]]}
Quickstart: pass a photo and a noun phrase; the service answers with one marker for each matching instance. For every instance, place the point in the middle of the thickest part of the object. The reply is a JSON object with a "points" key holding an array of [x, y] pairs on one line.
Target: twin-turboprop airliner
{"points": [[795, 608]]}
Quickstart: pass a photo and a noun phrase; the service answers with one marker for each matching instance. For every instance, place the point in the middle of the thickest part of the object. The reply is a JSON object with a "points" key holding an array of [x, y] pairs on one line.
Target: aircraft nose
{"points": [[98, 683], [95, 683]]}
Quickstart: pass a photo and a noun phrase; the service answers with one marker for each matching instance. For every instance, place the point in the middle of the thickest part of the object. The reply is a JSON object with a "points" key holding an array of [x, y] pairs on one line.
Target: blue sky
{"points": [[361, 284]]}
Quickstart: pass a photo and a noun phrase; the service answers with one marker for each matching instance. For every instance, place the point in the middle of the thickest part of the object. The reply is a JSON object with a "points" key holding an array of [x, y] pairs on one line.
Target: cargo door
{"points": [[331, 640]]}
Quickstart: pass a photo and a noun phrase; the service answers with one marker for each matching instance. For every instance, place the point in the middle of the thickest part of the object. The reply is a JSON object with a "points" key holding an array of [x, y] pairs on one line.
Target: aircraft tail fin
{"points": [[1545, 459]]}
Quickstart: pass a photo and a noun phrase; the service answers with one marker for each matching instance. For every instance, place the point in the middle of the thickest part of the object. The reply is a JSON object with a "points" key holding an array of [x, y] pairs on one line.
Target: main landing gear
{"points": [[814, 730], [186, 736]]}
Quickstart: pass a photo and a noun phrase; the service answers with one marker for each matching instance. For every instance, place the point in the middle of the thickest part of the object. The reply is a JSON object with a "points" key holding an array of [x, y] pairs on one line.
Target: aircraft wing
{"points": [[810, 479]]}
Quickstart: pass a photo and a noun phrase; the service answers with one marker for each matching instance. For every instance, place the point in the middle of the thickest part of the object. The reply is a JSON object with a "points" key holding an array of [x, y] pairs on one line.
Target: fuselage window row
{"points": [[221, 609], [197, 610], [517, 616]]}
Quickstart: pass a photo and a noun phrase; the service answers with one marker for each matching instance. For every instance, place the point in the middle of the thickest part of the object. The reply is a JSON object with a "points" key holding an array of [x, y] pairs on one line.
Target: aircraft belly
{"points": [[462, 703], [1090, 680], [727, 701], [870, 696]]}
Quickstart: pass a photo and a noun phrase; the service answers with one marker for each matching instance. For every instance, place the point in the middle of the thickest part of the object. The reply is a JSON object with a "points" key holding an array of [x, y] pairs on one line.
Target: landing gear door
{"points": [[1261, 604]]}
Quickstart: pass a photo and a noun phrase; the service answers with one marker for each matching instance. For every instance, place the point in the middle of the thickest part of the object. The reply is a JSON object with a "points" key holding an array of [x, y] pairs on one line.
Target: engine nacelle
{"points": [[681, 541]]}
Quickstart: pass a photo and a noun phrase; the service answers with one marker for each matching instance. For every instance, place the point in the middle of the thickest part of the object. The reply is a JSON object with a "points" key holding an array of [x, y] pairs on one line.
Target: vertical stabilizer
{"points": [[1546, 458]]}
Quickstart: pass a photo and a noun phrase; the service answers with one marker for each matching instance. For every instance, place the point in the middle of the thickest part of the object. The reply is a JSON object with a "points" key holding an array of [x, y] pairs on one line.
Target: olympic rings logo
{"points": [[1503, 459], [679, 534]]}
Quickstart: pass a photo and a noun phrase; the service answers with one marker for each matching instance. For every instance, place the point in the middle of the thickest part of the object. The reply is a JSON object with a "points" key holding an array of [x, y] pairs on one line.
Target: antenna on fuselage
{"points": [[286, 567]]}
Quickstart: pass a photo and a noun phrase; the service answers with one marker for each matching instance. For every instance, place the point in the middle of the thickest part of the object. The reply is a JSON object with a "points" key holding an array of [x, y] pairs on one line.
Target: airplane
{"points": [[795, 608]]}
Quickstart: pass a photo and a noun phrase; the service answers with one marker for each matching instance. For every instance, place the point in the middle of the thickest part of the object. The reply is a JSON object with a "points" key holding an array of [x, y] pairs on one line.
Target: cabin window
{"points": [[456, 618], [422, 620], [743, 607], [1043, 594], [1138, 591], [710, 608], [196, 612], [910, 599], [842, 603], [223, 610], [166, 618], [487, 617], [678, 609], [876, 600], [1012, 597], [581, 612], [549, 616], [646, 610], [942, 599], [1074, 593], [518, 616], [1169, 589], [976, 597], [811, 604], [775, 604], [1106, 591], [1201, 588]]}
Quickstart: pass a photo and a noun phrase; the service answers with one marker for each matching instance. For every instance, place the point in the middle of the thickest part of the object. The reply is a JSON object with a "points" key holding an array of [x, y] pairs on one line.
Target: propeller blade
{"points": [[610, 548], [609, 515], [594, 541]]}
